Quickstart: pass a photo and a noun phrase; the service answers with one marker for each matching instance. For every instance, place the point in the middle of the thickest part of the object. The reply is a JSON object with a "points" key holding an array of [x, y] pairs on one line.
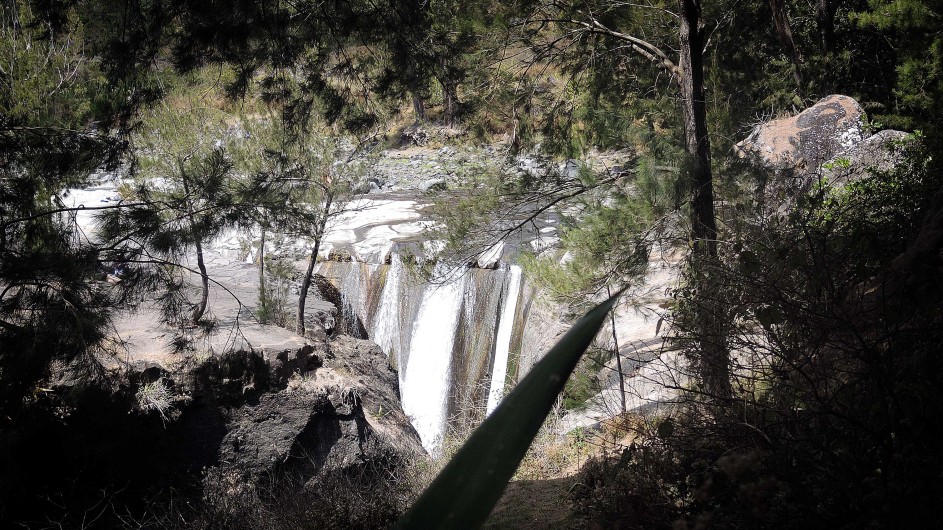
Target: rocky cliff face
{"points": [[326, 407], [342, 415], [288, 418]]}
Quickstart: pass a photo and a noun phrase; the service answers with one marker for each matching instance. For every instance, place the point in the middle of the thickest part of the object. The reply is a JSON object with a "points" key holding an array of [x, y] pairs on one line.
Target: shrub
{"points": [[157, 397]]}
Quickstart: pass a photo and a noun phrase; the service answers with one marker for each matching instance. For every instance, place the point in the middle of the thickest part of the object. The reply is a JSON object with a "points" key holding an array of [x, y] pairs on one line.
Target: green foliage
{"points": [[296, 184], [628, 492], [273, 293], [842, 349], [351, 64], [606, 242], [912, 26], [369, 497], [464, 216], [46, 77], [51, 309], [843, 399], [583, 384], [456, 51], [183, 196], [207, 165], [874, 215]]}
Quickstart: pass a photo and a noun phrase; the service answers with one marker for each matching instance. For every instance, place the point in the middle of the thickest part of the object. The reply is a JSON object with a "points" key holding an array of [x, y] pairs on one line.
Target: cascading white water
{"points": [[385, 330], [351, 296], [426, 383], [503, 339], [450, 342]]}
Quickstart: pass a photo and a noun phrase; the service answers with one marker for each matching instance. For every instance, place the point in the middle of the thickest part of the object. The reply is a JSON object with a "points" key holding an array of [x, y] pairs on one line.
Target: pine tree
{"points": [[183, 197], [51, 307], [913, 27]]}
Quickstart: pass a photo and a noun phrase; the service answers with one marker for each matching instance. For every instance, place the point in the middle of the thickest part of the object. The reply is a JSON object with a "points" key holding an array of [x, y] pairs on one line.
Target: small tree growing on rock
{"points": [[184, 197], [298, 182], [334, 180]]}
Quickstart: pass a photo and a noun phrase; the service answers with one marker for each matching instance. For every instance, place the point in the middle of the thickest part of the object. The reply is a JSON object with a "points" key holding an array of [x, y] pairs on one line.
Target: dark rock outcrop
{"points": [[415, 135], [343, 415], [254, 417]]}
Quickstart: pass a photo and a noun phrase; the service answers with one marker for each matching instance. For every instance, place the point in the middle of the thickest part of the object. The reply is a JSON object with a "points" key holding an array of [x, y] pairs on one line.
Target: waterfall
{"points": [[426, 381], [503, 339], [385, 330], [454, 345], [352, 299], [473, 352], [358, 284]]}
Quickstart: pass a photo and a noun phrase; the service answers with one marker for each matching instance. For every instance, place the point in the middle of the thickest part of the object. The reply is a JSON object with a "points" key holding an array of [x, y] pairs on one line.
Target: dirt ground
{"points": [[537, 504]]}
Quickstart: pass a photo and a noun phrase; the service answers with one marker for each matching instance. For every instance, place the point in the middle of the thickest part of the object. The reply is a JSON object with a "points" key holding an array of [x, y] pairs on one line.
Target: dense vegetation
{"points": [[837, 291]]}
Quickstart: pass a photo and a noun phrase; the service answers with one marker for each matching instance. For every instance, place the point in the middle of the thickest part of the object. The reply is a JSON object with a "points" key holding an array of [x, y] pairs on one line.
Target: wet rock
{"points": [[337, 320]]}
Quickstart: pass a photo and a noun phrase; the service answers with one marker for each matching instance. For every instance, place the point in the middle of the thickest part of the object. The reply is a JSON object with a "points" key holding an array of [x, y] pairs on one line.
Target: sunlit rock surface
{"points": [[827, 143], [267, 400], [475, 334], [652, 371], [802, 143]]}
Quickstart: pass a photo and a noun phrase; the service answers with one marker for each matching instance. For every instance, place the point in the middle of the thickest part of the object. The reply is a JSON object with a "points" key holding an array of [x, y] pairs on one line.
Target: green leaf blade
{"points": [[465, 492]]}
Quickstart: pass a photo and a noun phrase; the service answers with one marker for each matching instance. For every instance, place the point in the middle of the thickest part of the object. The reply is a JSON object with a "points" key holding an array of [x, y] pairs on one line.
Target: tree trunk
{"points": [[825, 17], [615, 345], [449, 102], [263, 301], [710, 322], [697, 144], [515, 144], [419, 108], [262, 255], [784, 33], [200, 308], [309, 273]]}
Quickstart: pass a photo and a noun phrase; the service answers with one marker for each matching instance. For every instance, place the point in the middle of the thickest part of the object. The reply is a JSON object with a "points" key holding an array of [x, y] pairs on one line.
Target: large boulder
{"points": [[259, 416], [343, 414], [879, 152], [800, 144], [825, 143], [433, 185], [225, 428]]}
